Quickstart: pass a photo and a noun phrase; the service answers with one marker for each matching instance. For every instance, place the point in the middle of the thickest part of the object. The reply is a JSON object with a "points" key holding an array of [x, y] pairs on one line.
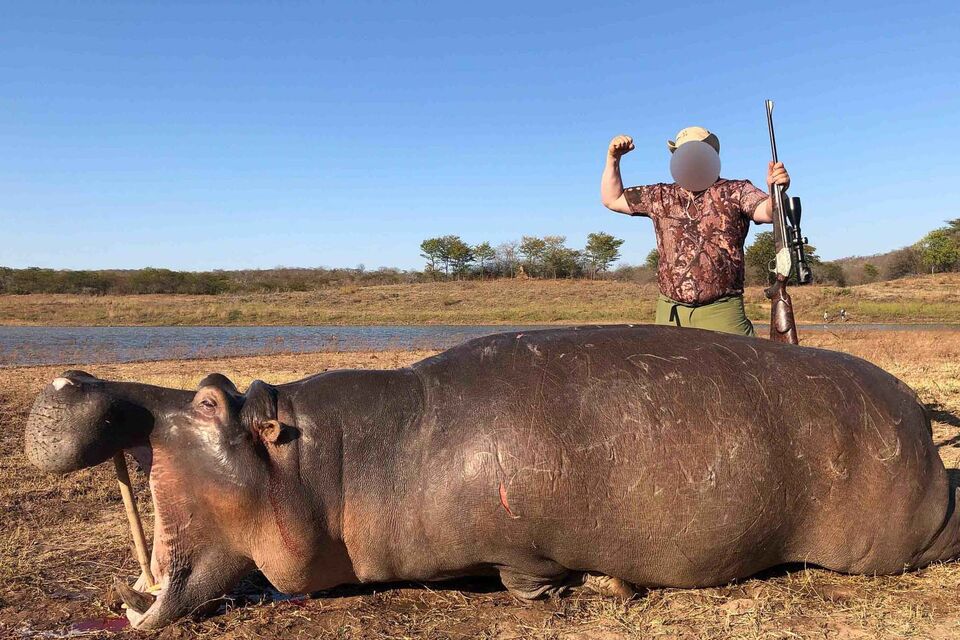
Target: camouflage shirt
{"points": [[699, 237]]}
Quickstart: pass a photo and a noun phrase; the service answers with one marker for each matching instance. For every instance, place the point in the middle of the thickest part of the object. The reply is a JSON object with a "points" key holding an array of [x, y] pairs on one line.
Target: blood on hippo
{"points": [[504, 501], [113, 625]]}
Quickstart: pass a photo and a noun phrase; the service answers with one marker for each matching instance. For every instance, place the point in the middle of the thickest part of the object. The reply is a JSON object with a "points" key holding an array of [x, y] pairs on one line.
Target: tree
{"points": [[763, 252], [652, 260], [939, 250], [506, 259], [558, 260], [444, 252], [830, 272], [758, 257], [953, 227], [458, 253], [533, 250], [602, 250], [430, 249], [483, 252], [870, 272], [904, 262]]}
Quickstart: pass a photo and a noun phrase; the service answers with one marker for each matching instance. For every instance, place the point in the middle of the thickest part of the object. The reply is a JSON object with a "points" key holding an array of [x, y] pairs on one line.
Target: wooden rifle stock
{"points": [[783, 328]]}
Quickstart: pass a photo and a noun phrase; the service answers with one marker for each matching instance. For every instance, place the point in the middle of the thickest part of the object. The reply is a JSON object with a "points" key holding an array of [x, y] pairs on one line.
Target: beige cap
{"points": [[691, 134]]}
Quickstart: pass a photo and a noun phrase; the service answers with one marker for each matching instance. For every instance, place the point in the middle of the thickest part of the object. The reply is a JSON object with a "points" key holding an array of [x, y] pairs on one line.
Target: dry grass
{"points": [[920, 299], [63, 540]]}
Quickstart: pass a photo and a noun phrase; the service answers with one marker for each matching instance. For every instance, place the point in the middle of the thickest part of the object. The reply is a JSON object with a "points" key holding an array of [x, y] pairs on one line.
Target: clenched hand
{"points": [[777, 174], [619, 146]]}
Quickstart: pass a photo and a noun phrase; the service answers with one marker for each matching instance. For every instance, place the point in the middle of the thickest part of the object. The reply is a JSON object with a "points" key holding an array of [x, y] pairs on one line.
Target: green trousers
{"points": [[726, 315]]}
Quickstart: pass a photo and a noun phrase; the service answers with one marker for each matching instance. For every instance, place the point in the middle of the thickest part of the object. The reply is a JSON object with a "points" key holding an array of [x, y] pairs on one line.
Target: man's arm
{"points": [[611, 184], [776, 174]]}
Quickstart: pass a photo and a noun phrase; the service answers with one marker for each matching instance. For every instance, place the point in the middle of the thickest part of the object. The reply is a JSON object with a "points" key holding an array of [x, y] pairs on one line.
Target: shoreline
{"points": [[812, 335]]}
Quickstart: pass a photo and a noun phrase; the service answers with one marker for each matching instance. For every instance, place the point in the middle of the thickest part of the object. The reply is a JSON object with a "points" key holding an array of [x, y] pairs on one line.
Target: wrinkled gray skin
{"points": [[655, 455]]}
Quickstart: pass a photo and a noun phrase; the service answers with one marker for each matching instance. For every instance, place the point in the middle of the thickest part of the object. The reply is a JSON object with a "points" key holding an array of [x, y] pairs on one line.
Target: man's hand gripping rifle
{"points": [[790, 256]]}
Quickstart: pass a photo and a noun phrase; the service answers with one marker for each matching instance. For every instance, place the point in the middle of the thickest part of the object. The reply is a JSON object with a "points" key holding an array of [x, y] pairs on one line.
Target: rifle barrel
{"points": [[779, 214], [773, 137]]}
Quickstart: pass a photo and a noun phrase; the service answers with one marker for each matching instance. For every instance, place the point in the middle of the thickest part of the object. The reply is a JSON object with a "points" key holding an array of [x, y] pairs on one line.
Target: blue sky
{"points": [[230, 135]]}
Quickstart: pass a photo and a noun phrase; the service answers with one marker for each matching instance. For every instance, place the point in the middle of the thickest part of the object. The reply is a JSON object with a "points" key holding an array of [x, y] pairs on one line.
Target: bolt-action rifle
{"points": [[790, 260]]}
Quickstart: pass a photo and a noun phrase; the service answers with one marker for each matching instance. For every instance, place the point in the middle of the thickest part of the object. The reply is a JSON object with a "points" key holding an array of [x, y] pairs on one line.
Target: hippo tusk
{"points": [[135, 600], [133, 518]]}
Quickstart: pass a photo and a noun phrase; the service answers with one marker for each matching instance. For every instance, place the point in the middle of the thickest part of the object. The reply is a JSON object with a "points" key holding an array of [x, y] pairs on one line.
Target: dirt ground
{"points": [[63, 540]]}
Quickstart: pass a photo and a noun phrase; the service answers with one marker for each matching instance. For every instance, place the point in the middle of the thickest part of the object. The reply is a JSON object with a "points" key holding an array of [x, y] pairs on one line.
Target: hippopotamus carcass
{"points": [[608, 456]]}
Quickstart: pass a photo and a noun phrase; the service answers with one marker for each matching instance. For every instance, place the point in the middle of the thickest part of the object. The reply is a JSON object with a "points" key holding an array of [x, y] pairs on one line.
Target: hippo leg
{"points": [[526, 586], [608, 586]]}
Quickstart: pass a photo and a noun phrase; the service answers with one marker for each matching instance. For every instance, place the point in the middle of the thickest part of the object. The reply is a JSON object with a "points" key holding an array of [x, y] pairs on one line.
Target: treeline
{"points": [[936, 252], [151, 280], [449, 257], [547, 257]]}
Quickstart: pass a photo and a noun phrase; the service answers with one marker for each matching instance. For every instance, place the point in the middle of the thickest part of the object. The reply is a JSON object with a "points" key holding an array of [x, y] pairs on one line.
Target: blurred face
{"points": [[695, 166]]}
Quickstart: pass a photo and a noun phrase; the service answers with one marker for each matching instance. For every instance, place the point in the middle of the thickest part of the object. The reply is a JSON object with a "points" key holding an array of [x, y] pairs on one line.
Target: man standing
{"points": [[700, 233]]}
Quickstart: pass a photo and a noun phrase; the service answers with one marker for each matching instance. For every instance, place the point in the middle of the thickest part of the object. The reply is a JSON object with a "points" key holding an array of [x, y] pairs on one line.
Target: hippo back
{"points": [[652, 446]]}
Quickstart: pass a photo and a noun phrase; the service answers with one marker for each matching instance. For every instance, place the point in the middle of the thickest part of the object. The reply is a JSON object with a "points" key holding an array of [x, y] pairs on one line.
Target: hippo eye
{"points": [[207, 403]]}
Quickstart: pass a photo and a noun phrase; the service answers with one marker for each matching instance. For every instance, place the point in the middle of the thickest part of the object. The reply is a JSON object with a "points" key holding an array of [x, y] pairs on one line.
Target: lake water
{"points": [[84, 345]]}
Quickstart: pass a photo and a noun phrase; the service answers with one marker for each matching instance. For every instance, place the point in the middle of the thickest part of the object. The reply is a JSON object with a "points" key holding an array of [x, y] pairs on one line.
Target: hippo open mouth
{"points": [[80, 421], [147, 599]]}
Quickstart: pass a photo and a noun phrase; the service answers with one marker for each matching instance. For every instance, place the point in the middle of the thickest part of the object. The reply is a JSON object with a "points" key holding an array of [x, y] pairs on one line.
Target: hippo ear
{"points": [[260, 415], [259, 405], [270, 431], [276, 433]]}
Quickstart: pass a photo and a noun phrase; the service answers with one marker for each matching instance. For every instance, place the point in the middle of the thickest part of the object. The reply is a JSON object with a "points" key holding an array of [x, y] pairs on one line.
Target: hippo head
{"points": [[205, 453]]}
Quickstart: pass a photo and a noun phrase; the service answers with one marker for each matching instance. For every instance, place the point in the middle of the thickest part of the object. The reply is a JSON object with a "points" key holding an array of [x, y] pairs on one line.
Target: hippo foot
{"points": [[528, 587], [608, 586]]}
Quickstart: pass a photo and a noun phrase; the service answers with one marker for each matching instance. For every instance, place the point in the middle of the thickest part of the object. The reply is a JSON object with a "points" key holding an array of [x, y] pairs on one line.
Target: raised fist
{"points": [[620, 145]]}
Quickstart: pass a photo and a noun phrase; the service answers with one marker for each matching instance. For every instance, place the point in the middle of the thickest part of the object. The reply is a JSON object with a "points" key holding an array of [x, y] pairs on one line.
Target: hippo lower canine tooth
{"points": [[136, 600]]}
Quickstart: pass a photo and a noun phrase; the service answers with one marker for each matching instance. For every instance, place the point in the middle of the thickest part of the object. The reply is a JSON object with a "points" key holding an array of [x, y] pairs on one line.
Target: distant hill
{"points": [[937, 252], [887, 264]]}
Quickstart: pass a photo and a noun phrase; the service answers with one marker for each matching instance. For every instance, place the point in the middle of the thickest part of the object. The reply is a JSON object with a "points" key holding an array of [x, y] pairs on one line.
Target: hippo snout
{"points": [[77, 421]]}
